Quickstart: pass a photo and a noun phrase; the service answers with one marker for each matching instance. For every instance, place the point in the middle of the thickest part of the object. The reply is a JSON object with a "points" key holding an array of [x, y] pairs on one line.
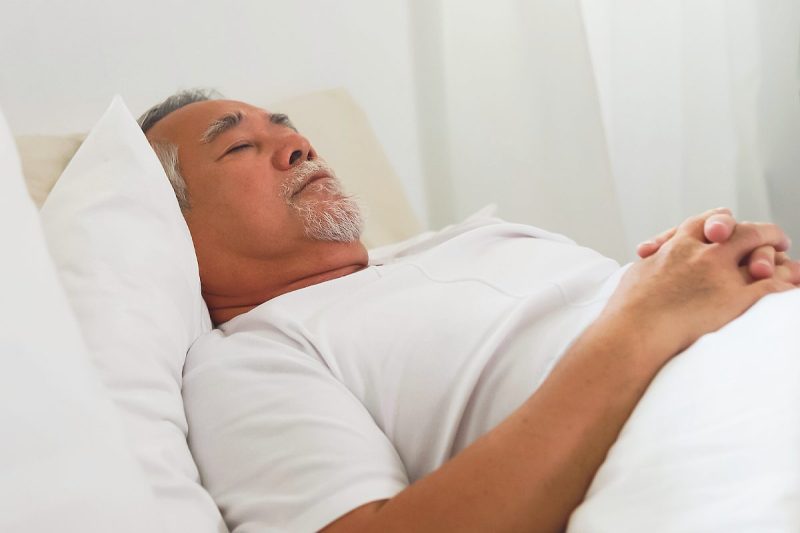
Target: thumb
{"points": [[719, 227]]}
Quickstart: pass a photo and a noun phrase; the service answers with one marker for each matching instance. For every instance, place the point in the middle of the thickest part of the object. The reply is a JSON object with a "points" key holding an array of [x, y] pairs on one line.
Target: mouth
{"points": [[316, 176]]}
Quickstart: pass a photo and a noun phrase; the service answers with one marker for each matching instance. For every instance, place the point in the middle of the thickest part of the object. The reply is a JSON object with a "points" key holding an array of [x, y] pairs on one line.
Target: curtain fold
{"points": [[612, 120], [522, 125]]}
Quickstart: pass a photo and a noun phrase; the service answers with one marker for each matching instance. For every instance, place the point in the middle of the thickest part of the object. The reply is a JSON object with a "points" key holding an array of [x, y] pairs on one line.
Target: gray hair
{"points": [[167, 153], [173, 103]]}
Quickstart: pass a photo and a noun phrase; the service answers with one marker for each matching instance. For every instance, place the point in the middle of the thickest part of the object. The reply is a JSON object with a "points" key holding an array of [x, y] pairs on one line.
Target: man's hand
{"points": [[719, 226], [699, 279]]}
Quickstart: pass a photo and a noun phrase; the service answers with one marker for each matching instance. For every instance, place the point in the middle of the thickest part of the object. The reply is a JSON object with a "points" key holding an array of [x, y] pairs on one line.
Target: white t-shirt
{"points": [[342, 393]]}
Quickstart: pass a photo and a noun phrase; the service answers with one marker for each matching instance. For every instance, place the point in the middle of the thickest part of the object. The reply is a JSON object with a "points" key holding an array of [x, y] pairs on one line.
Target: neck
{"points": [[249, 284]]}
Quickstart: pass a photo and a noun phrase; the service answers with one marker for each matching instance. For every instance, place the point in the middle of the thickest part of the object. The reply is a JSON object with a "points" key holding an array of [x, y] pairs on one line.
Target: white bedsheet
{"points": [[714, 445]]}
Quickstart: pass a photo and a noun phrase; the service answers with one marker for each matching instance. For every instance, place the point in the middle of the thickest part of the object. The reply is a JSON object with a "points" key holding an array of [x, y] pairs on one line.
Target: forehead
{"points": [[188, 123]]}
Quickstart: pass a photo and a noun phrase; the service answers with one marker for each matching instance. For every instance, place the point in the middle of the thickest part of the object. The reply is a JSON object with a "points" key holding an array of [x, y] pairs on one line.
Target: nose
{"points": [[293, 150]]}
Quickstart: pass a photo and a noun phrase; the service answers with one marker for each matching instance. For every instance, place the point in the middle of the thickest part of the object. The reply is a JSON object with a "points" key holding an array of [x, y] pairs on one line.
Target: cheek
{"points": [[236, 188], [238, 181], [238, 213]]}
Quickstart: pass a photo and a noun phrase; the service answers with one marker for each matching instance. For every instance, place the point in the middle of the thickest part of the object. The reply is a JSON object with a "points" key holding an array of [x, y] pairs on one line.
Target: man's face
{"points": [[257, 188]]}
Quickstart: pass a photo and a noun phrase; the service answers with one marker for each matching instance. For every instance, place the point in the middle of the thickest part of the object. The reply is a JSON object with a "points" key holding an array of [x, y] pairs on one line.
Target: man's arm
{"points": [[531, 471]]}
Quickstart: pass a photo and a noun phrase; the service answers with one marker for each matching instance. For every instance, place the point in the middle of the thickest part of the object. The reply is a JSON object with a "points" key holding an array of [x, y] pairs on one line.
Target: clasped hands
{"points": [[763, 262], [695, 278]]}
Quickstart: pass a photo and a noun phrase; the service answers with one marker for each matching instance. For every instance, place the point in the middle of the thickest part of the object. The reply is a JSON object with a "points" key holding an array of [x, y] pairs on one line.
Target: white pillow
{"points": [[127, 262], [65, 464]]}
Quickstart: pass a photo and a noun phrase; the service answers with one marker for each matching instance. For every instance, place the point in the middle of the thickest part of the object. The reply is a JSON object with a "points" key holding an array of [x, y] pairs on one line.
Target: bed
{"points": [[713, 446]]}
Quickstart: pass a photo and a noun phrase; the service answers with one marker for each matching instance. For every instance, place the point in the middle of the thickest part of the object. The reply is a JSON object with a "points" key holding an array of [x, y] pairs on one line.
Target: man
{"points": [[396, 392]]}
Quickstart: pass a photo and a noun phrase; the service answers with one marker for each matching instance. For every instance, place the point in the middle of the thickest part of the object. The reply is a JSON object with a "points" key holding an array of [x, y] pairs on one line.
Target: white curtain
{"points": [[610, 120]]}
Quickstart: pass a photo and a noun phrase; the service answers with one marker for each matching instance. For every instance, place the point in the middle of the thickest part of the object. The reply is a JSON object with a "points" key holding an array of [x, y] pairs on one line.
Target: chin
{"points": [[333, 220]]}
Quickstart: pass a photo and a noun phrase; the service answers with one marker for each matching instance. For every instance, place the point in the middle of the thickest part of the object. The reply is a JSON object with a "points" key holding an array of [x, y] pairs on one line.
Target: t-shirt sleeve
{"points": [[280, 443]]}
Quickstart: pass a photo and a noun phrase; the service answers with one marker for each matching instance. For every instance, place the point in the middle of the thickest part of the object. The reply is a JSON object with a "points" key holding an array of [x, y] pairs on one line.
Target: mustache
{"points": [[302, 173]]}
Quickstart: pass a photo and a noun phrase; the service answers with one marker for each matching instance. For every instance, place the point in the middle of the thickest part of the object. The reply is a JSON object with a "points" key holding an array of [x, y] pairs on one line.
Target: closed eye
{"points": [[238, 148]]}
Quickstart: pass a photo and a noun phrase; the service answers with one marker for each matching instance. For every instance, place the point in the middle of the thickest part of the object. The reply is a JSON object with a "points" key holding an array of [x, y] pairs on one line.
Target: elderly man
{"points": [[473, 380]]}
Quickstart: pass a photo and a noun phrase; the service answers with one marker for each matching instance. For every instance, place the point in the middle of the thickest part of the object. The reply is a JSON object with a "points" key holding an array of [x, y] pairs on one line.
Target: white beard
{"points": [[336, 218]]}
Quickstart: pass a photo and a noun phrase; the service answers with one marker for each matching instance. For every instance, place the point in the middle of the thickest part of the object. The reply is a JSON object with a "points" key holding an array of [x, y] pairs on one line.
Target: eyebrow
{"points": [[281, 119], [221, 125], [233, 119]]}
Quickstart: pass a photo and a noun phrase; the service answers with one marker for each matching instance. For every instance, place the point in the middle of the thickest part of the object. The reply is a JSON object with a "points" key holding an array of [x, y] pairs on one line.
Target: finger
{"points": [[768, 286], [788, 271], [786, 267], [695, 226], [650, 247], [761, 263], [784, 273], [719, 227], [748, 236]]}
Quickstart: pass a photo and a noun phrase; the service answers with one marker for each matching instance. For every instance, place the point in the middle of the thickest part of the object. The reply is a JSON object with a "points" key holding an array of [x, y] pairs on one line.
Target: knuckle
{"points": [[774, 231], [718, 211], [783, 274], [705, 216], [692, 222], [749, 234], [719, 227], [766, 252], [706, 258], [794, 275], [771, 233], [681, 248], [723, 218], [780, 285]]}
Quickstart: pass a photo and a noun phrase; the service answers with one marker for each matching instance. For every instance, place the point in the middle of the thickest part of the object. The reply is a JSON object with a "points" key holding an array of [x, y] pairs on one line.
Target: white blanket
{"points": [[714, 445]]}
